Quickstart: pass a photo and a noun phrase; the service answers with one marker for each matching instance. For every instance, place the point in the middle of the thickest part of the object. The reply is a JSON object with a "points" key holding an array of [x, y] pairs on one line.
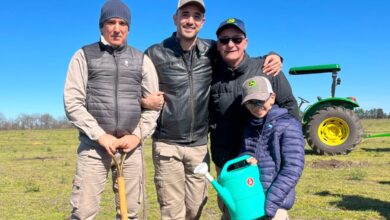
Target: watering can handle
{"points": [[230, 162]]}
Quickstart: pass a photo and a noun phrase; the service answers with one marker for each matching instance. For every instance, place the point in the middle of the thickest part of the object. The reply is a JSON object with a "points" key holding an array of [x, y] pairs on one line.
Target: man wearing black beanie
{"points": [[104, 84]]}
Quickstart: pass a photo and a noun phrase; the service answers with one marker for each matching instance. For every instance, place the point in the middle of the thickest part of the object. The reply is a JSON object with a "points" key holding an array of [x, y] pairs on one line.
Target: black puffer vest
{"points": [[114, 87], [184, 118]]}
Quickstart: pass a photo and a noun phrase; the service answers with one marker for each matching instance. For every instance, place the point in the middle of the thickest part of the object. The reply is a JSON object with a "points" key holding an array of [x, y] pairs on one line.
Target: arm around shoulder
{"points": [[284, 94]]}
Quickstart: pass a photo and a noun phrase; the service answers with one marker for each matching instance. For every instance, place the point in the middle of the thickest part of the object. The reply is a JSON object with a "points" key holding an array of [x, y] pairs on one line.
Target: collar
{"points": [[200, 48], [104, 45], [239, 70]]}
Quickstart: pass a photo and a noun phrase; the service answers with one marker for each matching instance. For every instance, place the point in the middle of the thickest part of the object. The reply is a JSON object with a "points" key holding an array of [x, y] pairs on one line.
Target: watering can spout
{"points": [[225, 195], [222, 192]]}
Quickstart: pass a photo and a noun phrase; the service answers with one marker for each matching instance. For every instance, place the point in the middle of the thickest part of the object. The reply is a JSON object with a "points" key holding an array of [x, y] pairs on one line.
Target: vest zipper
{"points": [[116, 94]]}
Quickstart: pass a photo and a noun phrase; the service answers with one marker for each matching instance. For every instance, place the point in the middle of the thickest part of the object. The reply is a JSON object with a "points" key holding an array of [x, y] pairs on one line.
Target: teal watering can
{"points": [[239, 188]]}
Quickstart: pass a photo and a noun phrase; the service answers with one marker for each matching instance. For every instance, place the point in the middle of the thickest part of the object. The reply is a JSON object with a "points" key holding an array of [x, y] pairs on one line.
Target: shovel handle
{"points": [[121, 186], [122, 197], [230, 162]]}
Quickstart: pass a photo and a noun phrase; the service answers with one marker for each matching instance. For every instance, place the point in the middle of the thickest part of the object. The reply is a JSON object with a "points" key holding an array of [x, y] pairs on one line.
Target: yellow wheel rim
{"points": [[333, 131]]}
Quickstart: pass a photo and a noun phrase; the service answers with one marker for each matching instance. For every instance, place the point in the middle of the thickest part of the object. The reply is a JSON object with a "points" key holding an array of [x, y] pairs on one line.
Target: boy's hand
{"points": [[251, 160]]}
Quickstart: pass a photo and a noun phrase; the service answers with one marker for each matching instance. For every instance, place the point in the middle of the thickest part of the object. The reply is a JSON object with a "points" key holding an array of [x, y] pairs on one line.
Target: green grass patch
{"points": [[37, 169]]}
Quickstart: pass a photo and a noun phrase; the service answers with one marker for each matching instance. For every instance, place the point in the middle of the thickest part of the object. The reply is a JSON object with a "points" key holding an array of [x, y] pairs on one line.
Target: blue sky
{"points": [[39, 38]]}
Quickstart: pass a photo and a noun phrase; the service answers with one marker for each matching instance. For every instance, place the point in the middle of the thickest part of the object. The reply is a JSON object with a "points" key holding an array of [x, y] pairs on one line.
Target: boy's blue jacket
{"points": [[279, 150]]}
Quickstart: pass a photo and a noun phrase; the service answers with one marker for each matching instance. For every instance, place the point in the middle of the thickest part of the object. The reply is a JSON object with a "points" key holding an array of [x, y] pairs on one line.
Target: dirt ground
{"points": [[335, 164]]}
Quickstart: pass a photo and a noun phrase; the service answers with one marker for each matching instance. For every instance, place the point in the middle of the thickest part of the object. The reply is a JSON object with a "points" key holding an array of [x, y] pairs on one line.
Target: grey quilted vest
{"points": [[114, 87]]}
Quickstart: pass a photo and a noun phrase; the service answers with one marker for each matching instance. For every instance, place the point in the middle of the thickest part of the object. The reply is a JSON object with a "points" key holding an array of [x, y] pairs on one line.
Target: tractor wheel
{"points": [[333, 130]]}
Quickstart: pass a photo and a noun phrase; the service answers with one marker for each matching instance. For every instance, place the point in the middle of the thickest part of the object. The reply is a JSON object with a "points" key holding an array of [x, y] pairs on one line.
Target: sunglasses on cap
{"points": [[235, 40]]}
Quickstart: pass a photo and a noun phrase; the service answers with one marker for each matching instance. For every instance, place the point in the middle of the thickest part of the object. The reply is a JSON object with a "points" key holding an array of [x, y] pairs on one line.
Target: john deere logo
{"points": [[252, 83], [230, 20], [250, 181]]}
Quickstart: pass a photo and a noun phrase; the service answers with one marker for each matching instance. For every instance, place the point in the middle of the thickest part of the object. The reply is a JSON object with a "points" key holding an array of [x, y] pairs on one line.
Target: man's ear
{"points": [[203, 20], [246, 43], [174, 18]]}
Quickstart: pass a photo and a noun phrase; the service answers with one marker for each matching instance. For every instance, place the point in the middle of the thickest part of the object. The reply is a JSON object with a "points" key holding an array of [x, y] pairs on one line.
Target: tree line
{"points": [[375, 113], [34, 121], [46, 121]]}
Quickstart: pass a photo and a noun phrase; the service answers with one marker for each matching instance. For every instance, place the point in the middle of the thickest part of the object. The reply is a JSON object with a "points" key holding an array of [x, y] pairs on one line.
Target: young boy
{"points": [[274, 139]]}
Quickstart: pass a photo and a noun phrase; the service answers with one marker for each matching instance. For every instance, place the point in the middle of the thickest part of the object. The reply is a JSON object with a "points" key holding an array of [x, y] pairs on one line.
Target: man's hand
{"points": [[128, 142], [272, 65], [109, 142], [154, 101]]}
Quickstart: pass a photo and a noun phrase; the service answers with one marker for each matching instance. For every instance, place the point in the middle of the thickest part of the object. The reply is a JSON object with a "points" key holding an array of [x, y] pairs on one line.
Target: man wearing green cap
{"points": [[227, 117], [103, 89]]}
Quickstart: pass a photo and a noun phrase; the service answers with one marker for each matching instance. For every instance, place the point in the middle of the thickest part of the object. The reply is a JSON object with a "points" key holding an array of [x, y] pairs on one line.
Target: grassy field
{"points": [[37, 168]]}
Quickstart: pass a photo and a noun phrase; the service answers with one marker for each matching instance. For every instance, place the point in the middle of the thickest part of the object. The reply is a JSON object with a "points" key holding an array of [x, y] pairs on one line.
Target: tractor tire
{"points": [[333, 130]]}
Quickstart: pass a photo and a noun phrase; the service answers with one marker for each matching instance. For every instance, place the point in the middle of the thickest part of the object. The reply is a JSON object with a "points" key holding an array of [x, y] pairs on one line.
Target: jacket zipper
{"points": [[190, 82]]}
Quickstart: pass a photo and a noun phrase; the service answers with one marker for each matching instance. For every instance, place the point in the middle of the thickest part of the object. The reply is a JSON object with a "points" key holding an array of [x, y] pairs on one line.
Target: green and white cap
{"points": [[257, 88]]}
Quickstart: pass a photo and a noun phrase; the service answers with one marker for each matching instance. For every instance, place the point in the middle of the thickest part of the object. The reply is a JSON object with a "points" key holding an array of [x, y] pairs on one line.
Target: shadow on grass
{"points": [[384, 182], [377, 149], [359, 203], [310, 152]]}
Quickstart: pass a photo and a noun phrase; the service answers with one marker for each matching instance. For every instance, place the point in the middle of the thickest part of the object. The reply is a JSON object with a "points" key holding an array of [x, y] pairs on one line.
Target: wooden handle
{"points": [[122, 197]]}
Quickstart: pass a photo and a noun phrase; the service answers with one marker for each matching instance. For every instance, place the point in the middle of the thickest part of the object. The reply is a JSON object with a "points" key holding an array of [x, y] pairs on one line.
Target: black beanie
{"points": [[114, 9]]}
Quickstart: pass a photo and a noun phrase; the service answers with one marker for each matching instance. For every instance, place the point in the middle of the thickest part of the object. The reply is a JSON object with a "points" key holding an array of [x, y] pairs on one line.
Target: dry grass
{"points": [[37, 168]]}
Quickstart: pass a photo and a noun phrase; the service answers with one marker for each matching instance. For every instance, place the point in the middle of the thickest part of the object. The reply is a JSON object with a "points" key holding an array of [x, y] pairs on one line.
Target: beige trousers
{"points": [[93, 166], [281, 214], [181, 194]]}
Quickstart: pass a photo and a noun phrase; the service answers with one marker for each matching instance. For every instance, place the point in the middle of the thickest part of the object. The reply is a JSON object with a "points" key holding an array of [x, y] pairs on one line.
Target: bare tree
{"points": [[3, 121], [63, 122], [47, 121]]}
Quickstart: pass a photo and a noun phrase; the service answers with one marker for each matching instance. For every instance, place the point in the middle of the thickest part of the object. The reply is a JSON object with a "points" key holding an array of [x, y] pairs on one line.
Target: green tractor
{"points": [[330, 126]]}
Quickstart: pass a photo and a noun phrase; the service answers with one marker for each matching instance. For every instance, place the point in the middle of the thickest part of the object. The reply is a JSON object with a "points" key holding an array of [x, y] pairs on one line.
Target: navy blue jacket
{"points": [[278, 145]]}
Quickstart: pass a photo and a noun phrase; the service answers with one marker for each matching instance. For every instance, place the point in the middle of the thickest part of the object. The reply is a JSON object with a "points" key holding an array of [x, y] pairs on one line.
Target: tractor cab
{"points": [[330, 125], [329, 68]]}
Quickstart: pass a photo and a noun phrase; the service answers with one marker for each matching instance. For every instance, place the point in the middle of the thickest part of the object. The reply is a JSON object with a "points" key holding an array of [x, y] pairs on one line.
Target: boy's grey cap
{"points": [[257, 88], [198, 2]]}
